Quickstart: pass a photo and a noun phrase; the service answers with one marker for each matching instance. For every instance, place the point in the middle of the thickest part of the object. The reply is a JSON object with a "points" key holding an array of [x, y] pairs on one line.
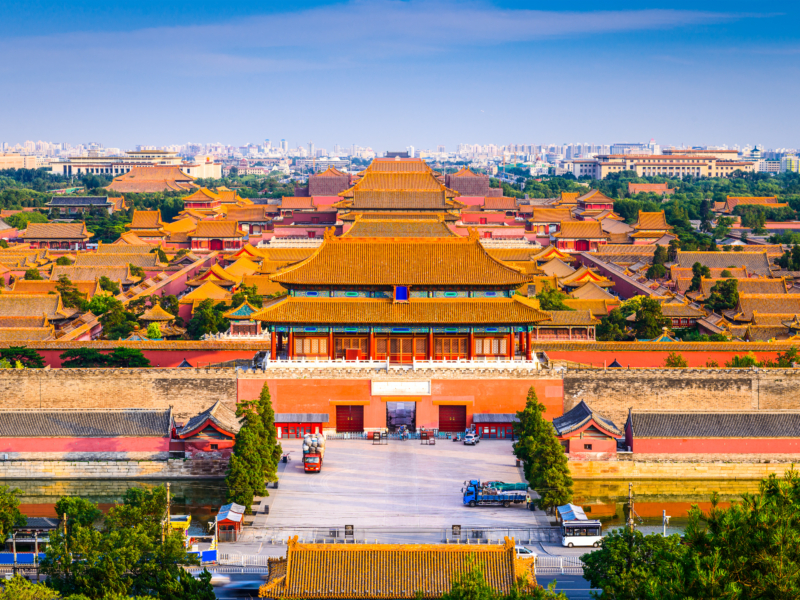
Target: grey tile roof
{"points": [[219, 414], [302, 417], [79, 201], [579, 416], [766, 424], [39, 523], [125, 422], [754, 262], [495, 418]]}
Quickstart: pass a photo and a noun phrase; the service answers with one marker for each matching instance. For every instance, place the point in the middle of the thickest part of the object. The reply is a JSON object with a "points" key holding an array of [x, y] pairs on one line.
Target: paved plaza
{"points": [[402, 485]]}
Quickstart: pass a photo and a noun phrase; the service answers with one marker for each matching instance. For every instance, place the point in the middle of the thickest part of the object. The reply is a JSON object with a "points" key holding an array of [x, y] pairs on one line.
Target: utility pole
{"points": [[631, 524], [166, 524], [665, 521]]}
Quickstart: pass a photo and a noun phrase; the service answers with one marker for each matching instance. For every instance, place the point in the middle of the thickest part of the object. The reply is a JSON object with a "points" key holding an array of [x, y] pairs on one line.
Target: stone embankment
{"points": [[119, 469], [679, 468]]}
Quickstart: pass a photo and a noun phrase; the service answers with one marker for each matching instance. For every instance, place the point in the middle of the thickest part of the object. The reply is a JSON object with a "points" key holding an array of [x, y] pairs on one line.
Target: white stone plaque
{"points": [[401, 388]]}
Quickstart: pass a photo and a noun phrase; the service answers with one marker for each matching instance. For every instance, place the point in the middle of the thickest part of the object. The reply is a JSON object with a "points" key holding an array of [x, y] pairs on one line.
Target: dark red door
{"points": [[349, 418], [215, 245], [452, 418], [582, 245]]}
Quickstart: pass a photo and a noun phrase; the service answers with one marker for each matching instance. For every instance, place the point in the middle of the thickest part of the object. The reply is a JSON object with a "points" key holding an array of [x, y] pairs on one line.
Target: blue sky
{"points": [[392, 73]]}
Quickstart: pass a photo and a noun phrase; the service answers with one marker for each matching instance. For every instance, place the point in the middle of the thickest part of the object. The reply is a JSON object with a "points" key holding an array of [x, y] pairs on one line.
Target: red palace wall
{"points": [[114, 444], [716, 446], [478, 395], [166, 358], [595, 358]]}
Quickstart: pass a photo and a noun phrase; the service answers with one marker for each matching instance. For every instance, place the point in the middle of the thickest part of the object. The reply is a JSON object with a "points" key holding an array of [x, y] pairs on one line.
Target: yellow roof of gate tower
{"points": [[387, 571]]}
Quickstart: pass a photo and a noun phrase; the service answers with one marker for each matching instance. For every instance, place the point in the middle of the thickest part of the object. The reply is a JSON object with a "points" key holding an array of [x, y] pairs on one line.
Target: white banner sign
{"points": [[401, 388]]}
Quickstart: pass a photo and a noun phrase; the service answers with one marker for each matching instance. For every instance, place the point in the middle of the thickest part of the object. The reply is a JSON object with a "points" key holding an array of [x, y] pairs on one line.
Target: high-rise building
{"points": [[440, 149], [410, 150], [267, 144], [284, 146], [311, 151], [791, 164]]}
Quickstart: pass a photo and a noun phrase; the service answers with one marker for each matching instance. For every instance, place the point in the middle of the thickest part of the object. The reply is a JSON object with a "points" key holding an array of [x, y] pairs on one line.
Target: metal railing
{"points": [[322, 363], [243, 560], [564, 565]]}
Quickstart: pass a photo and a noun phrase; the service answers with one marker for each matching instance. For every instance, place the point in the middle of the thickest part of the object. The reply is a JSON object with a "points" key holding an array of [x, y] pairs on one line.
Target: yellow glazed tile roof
{"points": [[652, 221], [21, 286], [551, 215], [241, 268], [550, 252], [205, 291], [598, 308], [264, 285], [378, 261], [779, 304], [584, 275], [581, 230], [26, 334], [156, 313], [753, 285], [56, 231], [120, 273], [145, 261], [32, 305], [555, 266], [146, 219], [124, 249], [130, 239], [392, 228], [183, 225], [389, 571], [217, 229], [298, 202], [591, 291], [417, 310], [569, 317]]}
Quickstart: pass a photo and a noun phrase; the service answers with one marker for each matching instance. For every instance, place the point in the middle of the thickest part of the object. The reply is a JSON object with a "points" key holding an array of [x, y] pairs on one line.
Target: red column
{"points": [[510, 349], [273, 336], [521, 342], [528, 351], [331, 349], [430, 344], [371, 344], [290, 350], [471, 349]]}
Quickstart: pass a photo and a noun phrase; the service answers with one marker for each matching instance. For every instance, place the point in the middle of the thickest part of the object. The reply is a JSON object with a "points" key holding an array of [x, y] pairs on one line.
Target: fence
{"points": [[564, 565], [243, 560]]}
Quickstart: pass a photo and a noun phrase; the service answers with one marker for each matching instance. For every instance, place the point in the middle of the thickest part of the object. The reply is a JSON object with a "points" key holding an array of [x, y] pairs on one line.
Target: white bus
{"points": [[581, 533]]}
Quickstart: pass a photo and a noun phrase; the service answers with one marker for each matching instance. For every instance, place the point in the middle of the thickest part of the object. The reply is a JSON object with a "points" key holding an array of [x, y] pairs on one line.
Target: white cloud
{"points": [[353, 33]]}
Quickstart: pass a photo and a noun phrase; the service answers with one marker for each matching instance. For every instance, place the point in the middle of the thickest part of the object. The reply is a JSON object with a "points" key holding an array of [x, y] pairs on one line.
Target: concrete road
{"points": [[574, 586], [402, 485]]}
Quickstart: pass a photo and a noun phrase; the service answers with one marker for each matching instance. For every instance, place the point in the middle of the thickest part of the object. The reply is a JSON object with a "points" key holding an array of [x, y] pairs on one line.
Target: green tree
{"points": [[551, 299], [80, 512], [10, 516], [28, 357], [125, 555], [70, 296], [742, 362], [698, 272], [649, 321], [246, 470], [21, 219], [724, 295], [33, 275], [154, 331], [207, 319], [656, 271], [248, 293], [63, 261], [675, 360], [271, 449], [83, 358], [102, 303], [544, 460], [19, 588], [612, 328], [625, 566], [127, 358], [116, 321], [660, 256], [136, 271], [723, 227], [162, 256], [109, 286]]}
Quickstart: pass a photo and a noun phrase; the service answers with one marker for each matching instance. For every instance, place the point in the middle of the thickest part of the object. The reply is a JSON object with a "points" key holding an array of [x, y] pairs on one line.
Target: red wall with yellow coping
{"points": [[478, 395], [649, 358]]}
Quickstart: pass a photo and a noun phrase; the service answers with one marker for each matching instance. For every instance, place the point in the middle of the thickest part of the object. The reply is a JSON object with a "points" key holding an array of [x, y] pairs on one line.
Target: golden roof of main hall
{"points": [[389, 571], [146, 219], [649, 221], [377, 311], [408, 261], [156, 313], [204, 292], [399, 228]]}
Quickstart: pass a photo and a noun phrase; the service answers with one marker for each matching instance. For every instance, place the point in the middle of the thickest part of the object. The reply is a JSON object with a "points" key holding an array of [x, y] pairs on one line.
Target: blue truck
{"points": [[490, 494]]}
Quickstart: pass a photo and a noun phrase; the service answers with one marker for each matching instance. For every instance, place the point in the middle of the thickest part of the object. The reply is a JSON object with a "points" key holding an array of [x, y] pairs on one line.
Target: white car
{"points": [[471, 439], [523, 552]]}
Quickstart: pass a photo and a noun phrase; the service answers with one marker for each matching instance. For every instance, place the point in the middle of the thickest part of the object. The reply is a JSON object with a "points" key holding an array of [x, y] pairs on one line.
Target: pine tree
{"points": [[245, 476], [543, 458], [271, 450]]}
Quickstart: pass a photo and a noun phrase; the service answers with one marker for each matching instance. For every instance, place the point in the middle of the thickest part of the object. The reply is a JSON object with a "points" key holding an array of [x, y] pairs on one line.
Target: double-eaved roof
{"points": [[753, 262], [56, 231], [412, 262], [399, 228]]}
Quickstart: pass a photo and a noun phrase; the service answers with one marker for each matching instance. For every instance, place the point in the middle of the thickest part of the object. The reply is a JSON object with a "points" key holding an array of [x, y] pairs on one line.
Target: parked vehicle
{"points": [[471, 439], [506, 487], [524, 552], [476, 494], [577, 529], [313, 452]]}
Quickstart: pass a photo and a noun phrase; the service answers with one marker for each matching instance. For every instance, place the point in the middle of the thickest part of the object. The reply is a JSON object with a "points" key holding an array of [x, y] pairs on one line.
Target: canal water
{"points": [[608, 500], [199, 498]]}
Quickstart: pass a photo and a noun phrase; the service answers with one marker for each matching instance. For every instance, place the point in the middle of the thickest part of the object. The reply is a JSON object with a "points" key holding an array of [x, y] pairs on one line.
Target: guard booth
{"points": [[296, 425], [495, 426]]}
